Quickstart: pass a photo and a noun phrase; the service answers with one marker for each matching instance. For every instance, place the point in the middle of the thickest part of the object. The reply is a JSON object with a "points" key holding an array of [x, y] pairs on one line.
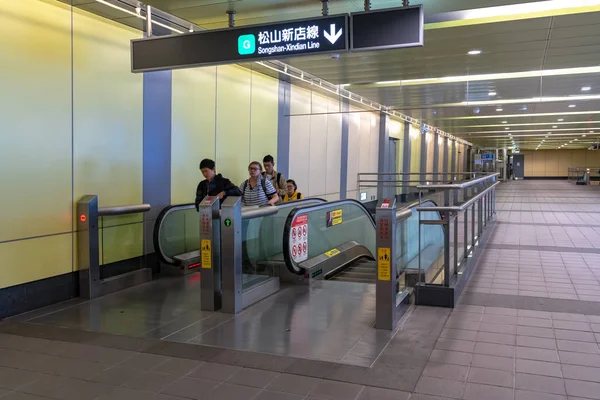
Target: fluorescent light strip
{"points": [[485, 77], [538, 130], [557, 135], [517, 101], [529, 124], [516, 115], [166, 26]]}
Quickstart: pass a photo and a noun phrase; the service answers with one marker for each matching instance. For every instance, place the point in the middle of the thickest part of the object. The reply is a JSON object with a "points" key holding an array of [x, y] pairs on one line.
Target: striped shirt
{"points": [[256, 196]]}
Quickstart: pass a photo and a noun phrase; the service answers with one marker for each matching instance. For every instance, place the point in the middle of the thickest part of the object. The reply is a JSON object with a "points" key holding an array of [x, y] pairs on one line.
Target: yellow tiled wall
{"points": [[549, 163]]}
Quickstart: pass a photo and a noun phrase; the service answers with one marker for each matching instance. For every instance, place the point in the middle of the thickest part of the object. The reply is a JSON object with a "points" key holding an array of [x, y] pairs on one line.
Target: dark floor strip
{"points": [[531, 303], [500, 246]]}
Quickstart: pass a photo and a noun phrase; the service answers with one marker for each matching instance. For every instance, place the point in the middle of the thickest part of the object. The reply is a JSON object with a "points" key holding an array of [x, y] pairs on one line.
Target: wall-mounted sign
{"points": [[299, 238], [333, 218], [487, 156], [206, 253], [390, 28], [384, 263], [363, 196], [248, 43]]}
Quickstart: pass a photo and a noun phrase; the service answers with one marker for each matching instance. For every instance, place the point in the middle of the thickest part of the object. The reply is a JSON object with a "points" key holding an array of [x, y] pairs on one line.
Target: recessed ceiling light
{"points": [[572, 106], [586, 88], [554, 126], [492, 93], [474, 52], [543, 141], [561, 119], [546, 136], [575, 139], [583, 135], [499, 109], [507, 128], [504, 122], [591, 131], [524, 108]]}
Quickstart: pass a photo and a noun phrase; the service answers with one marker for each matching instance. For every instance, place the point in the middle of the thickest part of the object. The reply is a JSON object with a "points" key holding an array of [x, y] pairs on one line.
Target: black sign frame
{"points": [[343, 47], [419, 43]]}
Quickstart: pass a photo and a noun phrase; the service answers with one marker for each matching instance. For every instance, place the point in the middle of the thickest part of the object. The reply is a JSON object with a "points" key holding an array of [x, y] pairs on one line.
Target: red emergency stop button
{"points": [[83, 218]]}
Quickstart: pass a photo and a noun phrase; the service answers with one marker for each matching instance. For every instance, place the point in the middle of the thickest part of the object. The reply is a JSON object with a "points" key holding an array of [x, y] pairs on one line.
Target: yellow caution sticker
{"points": [[206, 254], [384, 255], [332, 252]]}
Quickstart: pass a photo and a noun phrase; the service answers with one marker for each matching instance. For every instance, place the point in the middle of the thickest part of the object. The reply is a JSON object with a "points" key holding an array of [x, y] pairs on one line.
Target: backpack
{"points": [[262, 183], [298, 196]]}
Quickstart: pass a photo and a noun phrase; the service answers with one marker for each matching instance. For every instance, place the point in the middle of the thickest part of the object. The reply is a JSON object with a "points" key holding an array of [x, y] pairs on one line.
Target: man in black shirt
{"points": [[214, 184]]}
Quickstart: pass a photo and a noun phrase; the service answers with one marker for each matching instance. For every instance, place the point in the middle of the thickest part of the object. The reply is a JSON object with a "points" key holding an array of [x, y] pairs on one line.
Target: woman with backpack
{"points": [[256, 190], [292, 192]]}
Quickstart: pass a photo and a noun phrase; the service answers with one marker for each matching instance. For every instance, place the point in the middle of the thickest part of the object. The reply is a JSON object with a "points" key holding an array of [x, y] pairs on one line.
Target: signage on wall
{"points": [[299, 238], [249, 43], [371, 30], [333, 218]]}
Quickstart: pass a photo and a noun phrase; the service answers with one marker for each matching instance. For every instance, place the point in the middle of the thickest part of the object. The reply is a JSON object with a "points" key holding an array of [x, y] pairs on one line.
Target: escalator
{"points": [[343, 249], [177, 236]]}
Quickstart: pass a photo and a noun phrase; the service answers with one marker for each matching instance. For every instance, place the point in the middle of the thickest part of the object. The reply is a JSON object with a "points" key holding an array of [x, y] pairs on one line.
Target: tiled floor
{"points": [[527, 328]]}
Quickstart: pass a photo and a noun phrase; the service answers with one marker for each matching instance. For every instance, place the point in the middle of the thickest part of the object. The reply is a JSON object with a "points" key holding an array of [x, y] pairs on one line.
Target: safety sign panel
{"points": [[299, 238], [206, 254], [332, 252], [333, 218], [384, 263]]}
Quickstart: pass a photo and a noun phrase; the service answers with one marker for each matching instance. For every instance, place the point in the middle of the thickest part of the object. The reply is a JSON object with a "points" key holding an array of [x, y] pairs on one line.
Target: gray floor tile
{"points": [[419, 396], [455, 345], [498, 338], [491, 377], [590, 360], [127, 394], [493, 362], [574, 335], [95, 353], [215, 372], [450, 357], [578, 347], [270, 395], [459, 334], [229, 391], [72, 368], [144, 361], [335, 390], [151, 381], [59, 387], [535, 322], [446, 371], [253, 377], [191, 388], [535, 332], [22, 396], [531, 353], [294, 384], [493, 349], [497, 328], [572, 326], [440, 387], [373, 393], [538, 368], [178, 366], [538, 383], [527, 395], [116, 376], [537, 342], [581, 373], [589, 390], [12, 379], [475, 391]]}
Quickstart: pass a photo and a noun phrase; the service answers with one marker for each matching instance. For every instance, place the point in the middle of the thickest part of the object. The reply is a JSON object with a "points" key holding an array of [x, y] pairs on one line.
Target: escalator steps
{"points": [[362, 271]]}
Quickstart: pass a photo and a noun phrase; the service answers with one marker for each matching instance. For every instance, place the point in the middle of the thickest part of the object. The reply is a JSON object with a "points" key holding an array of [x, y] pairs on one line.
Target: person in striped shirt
{"points": [[256, 190]]}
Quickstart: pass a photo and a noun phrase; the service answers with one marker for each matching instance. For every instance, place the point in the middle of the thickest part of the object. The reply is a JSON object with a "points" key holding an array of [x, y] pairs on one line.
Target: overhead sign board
{"points": [[248, 43], [387, 29]]}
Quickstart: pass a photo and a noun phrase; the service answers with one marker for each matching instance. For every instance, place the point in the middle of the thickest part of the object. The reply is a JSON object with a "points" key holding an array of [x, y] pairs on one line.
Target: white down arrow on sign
{"points": [[332, 36]]}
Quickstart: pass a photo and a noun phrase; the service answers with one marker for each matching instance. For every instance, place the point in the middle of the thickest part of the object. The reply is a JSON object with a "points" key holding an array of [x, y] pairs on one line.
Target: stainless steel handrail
{"points": [[122, 210], [463, 206], [403, 214], [462, 185], [419, 173], [252, 212], [333, 204]]}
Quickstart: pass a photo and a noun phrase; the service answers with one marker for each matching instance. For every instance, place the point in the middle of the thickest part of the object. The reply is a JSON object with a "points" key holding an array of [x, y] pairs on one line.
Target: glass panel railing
{"points": [[262, 243], [178, 232], [333, 224], [120, 244]]}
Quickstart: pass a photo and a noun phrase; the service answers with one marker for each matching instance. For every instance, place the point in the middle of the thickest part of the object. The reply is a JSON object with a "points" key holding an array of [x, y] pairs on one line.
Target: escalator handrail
{"points": [[298, 210], [158, 224]]}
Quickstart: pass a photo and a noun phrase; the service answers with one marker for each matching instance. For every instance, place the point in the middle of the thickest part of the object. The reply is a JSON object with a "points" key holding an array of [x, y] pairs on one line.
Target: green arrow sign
{"points": [[228, 222]]}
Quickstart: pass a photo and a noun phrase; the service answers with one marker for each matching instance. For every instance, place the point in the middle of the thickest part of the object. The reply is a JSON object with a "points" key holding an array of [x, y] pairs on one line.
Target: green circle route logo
{"points": [[246, 44]]}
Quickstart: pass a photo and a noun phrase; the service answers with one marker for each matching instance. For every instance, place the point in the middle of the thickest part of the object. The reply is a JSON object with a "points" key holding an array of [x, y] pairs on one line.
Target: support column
{"points": [[283, 127], [406, 158], [383, 165], [423, 164], [453, 159], [436, 156], [344, 156], [156, 148], [445, 160]]}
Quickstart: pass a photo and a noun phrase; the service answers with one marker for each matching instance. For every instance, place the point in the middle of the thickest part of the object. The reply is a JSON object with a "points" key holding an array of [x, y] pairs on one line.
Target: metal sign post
{"points": [[210, 254], [231, 251], [386, 288]]}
